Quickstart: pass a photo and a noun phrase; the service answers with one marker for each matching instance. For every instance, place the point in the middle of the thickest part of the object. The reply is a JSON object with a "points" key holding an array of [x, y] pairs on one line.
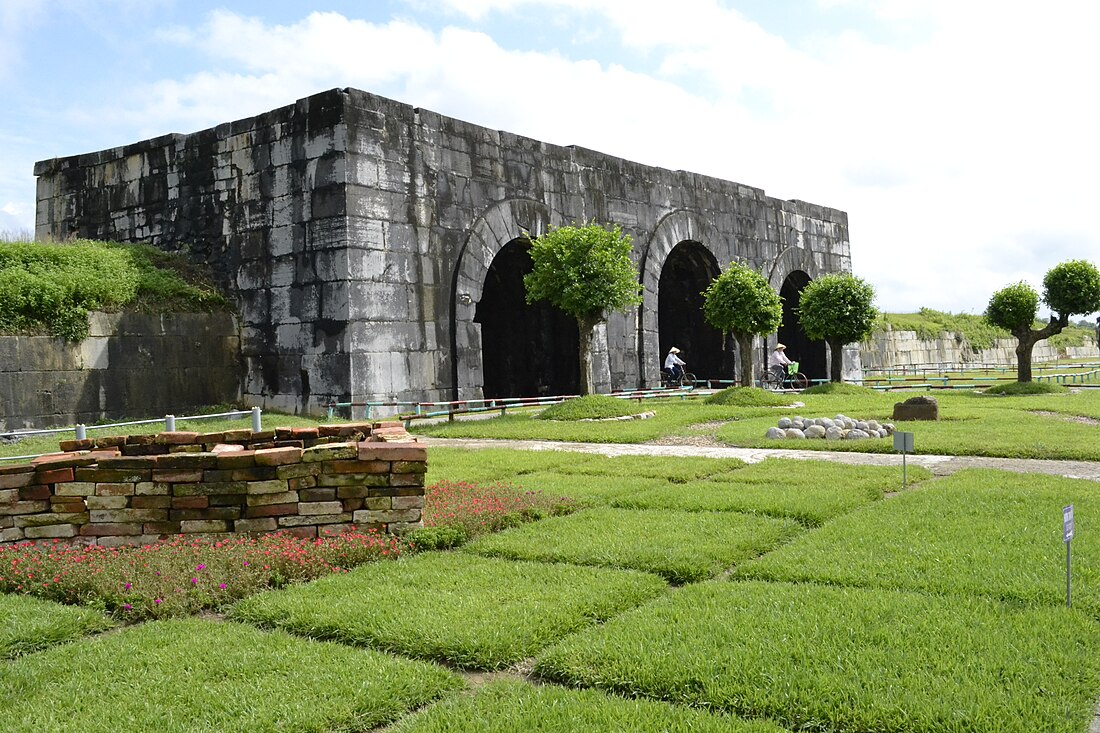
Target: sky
{"points": [[961, 136]]}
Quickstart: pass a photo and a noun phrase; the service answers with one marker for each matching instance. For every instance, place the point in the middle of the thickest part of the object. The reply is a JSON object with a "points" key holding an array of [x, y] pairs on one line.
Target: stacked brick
{"points": [[141, 488]]}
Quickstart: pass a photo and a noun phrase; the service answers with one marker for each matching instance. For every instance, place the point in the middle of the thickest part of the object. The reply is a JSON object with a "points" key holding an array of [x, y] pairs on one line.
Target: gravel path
{"points": [[938, 465]]}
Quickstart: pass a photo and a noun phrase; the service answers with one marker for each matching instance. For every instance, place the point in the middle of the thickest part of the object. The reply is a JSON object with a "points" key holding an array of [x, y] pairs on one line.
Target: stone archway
{"points": [[811, 355], [674, 228], [688, 270], [527, 350], [498, 226]]}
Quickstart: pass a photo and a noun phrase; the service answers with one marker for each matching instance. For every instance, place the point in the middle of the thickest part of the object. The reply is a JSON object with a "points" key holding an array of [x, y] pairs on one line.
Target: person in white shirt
{"points": [[674, 365], [778, 361]]}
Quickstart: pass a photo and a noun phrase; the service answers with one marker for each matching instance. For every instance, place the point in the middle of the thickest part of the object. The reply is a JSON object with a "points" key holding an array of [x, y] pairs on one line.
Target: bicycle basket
{"points": [[792, 368]]}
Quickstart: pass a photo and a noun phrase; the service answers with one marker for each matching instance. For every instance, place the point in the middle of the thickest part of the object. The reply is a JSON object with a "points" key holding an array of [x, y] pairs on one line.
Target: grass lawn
{"points": [[846, 659], [29, 624], [680, 546], [977, 532], [193, 675], [464, 610], [497, 464], [518, 706], [811, 492]]}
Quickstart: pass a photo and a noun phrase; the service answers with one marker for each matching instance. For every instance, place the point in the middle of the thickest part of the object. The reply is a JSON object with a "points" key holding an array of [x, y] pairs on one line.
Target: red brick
{"points": [[392, 452], [27, 507], [239, 459], [144, 439], [112, 475], [350, 505], [264, 524], [62, 460], [305, 533], [407, 479], [356, 466], [220, 448], [179, 437], [17, 480], [110, 529], [181, 461], [161, 528], [305, 433], [67, 504], [204, 526], [110, 441], [288, 443], [70, 445], [151, 502], [241, 435], [54, 476], [113, 489], [178, 476], [143, 463], [35, 492], [190, 502], [271, 510], [278, 456]]}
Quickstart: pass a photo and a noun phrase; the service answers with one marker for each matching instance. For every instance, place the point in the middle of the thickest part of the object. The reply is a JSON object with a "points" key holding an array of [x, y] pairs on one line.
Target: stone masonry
{"points": [[357, 233], [142, 488]]}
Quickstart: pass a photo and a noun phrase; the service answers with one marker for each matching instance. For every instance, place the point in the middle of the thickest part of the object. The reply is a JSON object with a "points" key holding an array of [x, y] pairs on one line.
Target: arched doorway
{"points": [[527, 350], [810, 355], [687, 271]]}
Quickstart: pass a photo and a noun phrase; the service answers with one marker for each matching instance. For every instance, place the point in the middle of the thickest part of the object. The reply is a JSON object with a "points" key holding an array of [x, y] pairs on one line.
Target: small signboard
{"points": [[1067, 523], [903, 442]]}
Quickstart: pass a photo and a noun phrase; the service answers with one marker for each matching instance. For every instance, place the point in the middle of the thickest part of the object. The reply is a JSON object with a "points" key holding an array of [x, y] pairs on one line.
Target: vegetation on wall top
{"points": [[929, 324], [51, 287]]}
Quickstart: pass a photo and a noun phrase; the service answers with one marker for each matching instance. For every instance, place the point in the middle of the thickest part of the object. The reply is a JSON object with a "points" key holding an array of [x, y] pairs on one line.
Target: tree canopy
{"points": [[1069, 288], [838, 309], [741, 301], [584, 271]]}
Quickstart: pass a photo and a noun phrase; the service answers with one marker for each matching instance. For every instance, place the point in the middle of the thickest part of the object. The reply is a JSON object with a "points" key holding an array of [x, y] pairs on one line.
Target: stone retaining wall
{"points": [[897, 349], [142, 488]]}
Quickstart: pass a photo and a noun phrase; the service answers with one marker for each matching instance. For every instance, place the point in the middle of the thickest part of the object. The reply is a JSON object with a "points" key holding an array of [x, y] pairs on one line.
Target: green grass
{"points": [[497, 464], [845, 659], [977, 532], [518, 706], [451, 607], [29, 625], [811, 492], [675, 470], [51, 287], [191, 675], [682, 547], [1026, 388], [747, 397], [837, 388], [590, 407], [588, 489]]}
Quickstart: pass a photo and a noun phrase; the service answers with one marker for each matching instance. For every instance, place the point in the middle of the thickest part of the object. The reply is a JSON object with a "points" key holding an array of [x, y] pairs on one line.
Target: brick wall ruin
{"points": [[141, 488]]}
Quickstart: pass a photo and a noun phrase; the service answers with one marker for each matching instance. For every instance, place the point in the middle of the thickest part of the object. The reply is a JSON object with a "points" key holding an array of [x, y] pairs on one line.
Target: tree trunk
{"points": [[1026, 339], [744, 347], [836, 362], [585, 331]]}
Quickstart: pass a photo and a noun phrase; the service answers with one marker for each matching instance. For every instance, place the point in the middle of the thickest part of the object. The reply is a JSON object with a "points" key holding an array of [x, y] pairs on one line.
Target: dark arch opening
{"points": [[810, 355], [687, 272], [526, 350]]}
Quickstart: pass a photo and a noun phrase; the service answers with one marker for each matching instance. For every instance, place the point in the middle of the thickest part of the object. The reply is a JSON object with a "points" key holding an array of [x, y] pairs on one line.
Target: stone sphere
{"points": [[784, 422], [834, 433], [775, 433], [856, 434], [873, 425], [796, 434], [825, 422], [862, 425]]}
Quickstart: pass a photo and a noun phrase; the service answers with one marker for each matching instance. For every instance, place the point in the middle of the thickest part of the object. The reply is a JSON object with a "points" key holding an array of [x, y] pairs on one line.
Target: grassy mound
{"points": [[51, 287], [1026, 388], [747, 397], [590, 407], [838, 388]]}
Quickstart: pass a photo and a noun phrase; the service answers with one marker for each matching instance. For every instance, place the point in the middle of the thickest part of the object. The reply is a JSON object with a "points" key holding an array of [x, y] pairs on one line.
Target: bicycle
{"points": [[686, 380], [794, 378]]}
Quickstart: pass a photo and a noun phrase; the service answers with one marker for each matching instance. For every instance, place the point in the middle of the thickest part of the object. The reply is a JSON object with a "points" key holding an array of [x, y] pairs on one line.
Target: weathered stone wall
{"points": [[130, 364], [358, 231], [897, 349], [142, 488]]}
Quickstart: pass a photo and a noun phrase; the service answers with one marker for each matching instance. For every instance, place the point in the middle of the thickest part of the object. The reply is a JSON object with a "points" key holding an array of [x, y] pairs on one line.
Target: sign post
{"points": [[1067, 537], [904, 443]]}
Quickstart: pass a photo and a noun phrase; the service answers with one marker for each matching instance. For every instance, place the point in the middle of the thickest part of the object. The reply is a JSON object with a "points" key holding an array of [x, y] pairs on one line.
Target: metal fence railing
{"points": [[80, 431]]}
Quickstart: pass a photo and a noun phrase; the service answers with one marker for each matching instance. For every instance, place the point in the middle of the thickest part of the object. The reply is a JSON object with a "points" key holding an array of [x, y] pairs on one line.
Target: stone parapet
{"points": [[123, 490]]}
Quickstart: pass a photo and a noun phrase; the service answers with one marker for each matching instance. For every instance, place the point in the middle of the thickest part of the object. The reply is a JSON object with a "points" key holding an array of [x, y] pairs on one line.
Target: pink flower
{"points": [[156, 601], [128, 586], [221, 585]]}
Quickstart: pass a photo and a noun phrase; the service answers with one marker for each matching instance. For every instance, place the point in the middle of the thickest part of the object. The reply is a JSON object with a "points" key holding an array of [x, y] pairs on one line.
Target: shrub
{"points": [[747, 397], [589, 407], [838, 388], [1026, 388]]}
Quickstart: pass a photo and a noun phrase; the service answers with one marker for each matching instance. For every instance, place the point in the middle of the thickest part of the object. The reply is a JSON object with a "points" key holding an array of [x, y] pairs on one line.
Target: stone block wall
{"points": [[142, 488], [901, 349], [130, 364]]}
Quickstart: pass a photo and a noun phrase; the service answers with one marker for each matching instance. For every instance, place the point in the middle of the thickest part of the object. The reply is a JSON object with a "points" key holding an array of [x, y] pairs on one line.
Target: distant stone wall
{"points": [[130, 364], [896, 349], [142, 488]]}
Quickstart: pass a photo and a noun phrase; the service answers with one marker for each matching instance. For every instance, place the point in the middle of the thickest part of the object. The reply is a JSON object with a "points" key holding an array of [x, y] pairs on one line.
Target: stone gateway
{"points": [[377, 250]]}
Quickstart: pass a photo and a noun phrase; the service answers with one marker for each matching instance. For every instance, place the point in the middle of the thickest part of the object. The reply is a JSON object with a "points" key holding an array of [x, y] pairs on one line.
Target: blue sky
{"points": [[961, 136]]}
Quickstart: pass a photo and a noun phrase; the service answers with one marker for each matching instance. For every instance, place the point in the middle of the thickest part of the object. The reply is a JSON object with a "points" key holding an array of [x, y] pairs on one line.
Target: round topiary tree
{"points": [[837, 309], [1069, 288], [741, 301], [585, 271]]}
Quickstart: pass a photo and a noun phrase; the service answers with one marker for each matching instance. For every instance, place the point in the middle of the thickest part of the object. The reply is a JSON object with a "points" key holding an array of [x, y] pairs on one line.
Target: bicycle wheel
{"points": [[768, 380], [799, 381], [688, 380]]}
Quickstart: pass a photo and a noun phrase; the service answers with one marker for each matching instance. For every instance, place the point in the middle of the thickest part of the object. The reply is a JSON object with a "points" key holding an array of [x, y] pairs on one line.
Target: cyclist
{"points": [[674, 365], [778, 361]]}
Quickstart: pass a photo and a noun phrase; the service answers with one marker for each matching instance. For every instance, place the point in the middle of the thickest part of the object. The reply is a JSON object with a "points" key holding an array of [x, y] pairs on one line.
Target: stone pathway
{"points": [[938, 465]]}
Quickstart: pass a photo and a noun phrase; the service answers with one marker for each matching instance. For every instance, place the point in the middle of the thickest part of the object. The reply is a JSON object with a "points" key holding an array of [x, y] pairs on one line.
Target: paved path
{"points": [[938, 465]]}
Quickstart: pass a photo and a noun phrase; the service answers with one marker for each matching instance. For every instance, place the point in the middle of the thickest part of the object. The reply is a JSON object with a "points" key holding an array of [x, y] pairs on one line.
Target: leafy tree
{"points": [[837, 309], [1069, 288], [585, 271], [741, 301]]}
